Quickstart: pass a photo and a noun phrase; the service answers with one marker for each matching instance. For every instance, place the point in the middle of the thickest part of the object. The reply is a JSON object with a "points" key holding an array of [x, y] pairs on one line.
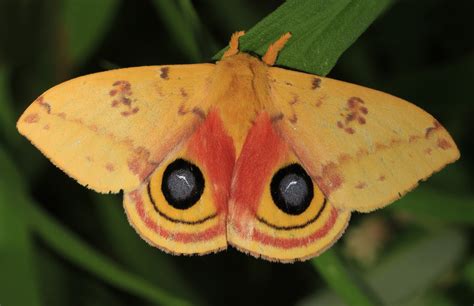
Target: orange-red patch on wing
{"points": [[215, 151], [208, 234], [262, 150], [288, 243]]}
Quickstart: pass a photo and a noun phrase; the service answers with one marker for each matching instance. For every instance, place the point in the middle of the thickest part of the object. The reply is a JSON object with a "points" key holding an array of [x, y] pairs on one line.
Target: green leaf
{"points": [[85, 23], [469, 273], [72, 248], [408, 272], [321, 31], [7, 122], [345, 283], [131, 250], [180, 19], [431, 204], [18, 276]]}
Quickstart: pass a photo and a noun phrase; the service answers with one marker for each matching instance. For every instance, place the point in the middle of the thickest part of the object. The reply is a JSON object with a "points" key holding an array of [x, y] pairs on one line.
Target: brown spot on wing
{"points": [[349, 130], [382, 178], [444, 144], [181, 110], [199, 112], [44, 104], [430, 130], [353, 114], [46, 127], [316, 83], [130, 112], [413, 138], [164, 73], [31, 118], [294, 100], [110, 167], [183, 93], [122, 92], [361, 185], [293, 119], [330, 178], [276, 118], [140, 163]]}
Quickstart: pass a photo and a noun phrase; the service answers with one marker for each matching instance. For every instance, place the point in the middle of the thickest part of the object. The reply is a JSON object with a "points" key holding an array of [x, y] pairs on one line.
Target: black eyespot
{"points": [[292, 189], [182, 184]]}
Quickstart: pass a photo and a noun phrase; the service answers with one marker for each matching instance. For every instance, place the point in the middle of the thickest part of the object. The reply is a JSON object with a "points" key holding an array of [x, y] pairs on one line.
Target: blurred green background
{"points": [[62, 244]]}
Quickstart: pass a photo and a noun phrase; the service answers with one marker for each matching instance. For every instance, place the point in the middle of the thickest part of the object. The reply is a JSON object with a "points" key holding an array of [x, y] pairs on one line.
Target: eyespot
{"points": [[182, 184], [292, 189]]}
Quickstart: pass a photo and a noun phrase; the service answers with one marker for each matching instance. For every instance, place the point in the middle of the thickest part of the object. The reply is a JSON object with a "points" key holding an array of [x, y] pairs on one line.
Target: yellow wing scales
{"points": [[109, 130], [363, 147]]}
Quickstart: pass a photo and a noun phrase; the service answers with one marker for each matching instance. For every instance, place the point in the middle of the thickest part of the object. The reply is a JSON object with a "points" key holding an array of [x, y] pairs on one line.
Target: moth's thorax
{"points": [[239, 90]]}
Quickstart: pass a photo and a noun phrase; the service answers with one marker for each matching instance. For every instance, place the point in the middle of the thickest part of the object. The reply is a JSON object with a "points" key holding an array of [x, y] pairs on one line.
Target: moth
{"points": [[268, 160]]}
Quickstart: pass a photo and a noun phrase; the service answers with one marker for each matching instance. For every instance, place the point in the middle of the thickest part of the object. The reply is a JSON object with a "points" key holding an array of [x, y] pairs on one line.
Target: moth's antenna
{"points": [[272, 52], [233, 44]]}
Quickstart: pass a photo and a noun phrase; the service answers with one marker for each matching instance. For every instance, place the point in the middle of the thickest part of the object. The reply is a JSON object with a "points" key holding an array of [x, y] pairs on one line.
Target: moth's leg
{"points": [[233, 44], [272, 52]]}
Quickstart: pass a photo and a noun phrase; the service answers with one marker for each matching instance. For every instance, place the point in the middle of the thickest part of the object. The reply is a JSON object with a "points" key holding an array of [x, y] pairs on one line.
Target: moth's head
{"points": [[241, 64]]}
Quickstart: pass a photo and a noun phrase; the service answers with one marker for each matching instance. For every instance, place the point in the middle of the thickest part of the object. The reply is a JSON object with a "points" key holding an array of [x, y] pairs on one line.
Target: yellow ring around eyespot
{"points": [[186, 227], [167, 243], [203, 210], [323, 217], [269, 214]]}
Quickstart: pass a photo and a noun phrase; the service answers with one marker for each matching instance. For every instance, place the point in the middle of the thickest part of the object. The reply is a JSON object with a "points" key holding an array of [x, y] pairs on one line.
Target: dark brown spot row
{"points": [[122, 91], [316, 83], [130, 112], [444, 144], [293, 119], [181, 110], [44, 104], [199, 112], [430, 130], [32, 118], [355, 112], [183, 93], [164, 71], [276, 118]]}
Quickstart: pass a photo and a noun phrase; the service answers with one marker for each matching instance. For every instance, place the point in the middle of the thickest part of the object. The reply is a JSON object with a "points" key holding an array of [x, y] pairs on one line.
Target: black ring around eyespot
{"points": [[292, 189], [296, 226], [182, 184], [162, 214]]}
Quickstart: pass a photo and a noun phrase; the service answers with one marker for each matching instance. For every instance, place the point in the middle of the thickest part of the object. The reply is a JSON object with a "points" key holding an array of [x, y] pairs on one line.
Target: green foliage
{"points": [[412, 268], [59, 242], [322, 31], [18, 278], [79, 18]]}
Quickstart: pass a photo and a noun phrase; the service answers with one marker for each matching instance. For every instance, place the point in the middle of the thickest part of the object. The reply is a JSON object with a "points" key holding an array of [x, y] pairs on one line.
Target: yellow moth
{"points": [[269, 160]]}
